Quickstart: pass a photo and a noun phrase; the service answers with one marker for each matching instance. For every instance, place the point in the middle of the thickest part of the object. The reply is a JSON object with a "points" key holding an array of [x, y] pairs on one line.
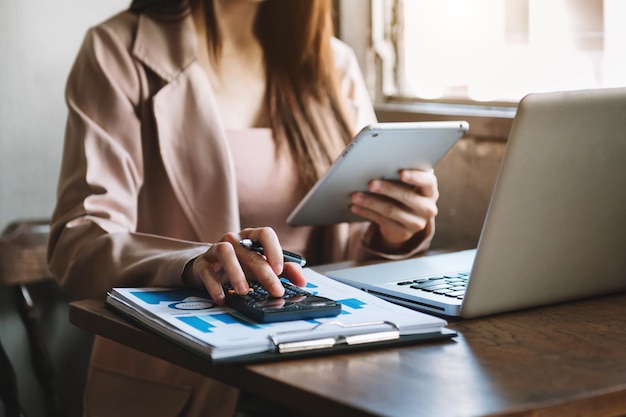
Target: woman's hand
{"points": [[228, 261], [401, 209]]}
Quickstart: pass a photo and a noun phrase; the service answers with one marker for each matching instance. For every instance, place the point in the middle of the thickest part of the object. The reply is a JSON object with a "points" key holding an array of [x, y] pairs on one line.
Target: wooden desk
{"points": [[562, 360]]}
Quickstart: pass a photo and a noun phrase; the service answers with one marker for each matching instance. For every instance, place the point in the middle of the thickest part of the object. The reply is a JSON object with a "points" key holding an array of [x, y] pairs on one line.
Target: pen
{"points": [[287, 256]]}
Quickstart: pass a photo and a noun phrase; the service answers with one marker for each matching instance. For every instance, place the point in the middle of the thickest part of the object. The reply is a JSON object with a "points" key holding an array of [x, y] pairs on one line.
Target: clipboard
{"points": [[339, 347], [220, 334], [306, 344]]}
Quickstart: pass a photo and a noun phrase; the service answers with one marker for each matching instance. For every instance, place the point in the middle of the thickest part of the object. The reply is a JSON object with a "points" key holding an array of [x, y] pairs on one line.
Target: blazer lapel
{"points": [[192, 141]]}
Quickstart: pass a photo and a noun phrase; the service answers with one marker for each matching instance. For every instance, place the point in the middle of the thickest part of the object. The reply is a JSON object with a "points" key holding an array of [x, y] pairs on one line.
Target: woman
{"points": [[193, 124]]}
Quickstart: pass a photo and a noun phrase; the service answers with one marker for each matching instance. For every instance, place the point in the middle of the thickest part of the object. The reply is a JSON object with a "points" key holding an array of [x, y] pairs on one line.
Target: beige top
{"points": [[268, 187]]}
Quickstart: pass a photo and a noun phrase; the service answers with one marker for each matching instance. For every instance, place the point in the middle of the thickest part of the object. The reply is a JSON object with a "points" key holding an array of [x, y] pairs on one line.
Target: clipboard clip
{"points": [[352, 334]]}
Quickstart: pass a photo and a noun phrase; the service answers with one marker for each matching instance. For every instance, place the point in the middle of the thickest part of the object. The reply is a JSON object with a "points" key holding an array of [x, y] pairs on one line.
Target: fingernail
{"points": [[357, 198], [374, 186], [277, 288], [242, 288]]}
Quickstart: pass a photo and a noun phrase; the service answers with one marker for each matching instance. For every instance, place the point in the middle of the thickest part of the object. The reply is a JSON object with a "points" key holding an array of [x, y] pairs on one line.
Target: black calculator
{"points": [[295, 304]]}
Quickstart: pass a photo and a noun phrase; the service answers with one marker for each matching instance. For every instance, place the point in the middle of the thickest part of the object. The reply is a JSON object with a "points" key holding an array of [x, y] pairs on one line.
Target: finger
{"points": [[393, 235], [424, 182], [225, 265], [216, 291], [396, 223], [258, 269], [272, 250], [293, 272], [400, 192], [209, 274], [416, 210], [257, 266], [398, 198], [390, 229]]}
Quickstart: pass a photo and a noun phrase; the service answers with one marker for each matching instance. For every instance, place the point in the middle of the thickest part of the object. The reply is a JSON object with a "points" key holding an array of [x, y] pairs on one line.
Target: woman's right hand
{"points": [[227, 261]]}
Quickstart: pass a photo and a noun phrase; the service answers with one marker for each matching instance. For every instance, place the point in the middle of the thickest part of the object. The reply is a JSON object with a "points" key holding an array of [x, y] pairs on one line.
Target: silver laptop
{"points": [[555, 229]]}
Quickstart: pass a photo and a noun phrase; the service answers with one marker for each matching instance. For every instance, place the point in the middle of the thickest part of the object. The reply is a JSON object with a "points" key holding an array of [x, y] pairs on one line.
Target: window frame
{"points": [[354, 20]]}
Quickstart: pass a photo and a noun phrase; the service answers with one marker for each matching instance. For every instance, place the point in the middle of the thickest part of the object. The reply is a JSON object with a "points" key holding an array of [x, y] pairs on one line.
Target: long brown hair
{"points": [[302, 96]]}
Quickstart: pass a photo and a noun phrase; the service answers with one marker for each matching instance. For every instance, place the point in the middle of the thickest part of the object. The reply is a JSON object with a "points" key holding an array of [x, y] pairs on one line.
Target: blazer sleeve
{"points": [[93, 243], [359, 103]]}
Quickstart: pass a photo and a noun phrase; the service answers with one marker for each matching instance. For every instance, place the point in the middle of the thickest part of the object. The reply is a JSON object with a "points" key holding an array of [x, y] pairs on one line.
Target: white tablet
{"points": [[378, 151]]}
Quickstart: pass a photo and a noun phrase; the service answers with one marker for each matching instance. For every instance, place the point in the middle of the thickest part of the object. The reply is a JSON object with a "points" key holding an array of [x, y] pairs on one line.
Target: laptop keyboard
{"points": [[450, 285]]}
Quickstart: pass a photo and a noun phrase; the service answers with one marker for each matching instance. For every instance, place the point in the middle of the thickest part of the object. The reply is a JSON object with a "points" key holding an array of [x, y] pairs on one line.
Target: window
{"points": [[495, 51]]}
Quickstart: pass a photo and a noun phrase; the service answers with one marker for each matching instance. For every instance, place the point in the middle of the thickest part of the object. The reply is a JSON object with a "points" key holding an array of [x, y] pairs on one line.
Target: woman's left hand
{"points": [[401, 209]]}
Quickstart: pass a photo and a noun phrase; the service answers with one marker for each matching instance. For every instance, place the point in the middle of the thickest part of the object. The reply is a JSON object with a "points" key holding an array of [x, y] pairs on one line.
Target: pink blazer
{"points": [[140, 103]]}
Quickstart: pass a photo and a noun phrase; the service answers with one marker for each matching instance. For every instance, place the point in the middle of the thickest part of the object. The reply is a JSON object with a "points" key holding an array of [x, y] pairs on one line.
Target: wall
{"points": [[39, 40], [466, 176]]}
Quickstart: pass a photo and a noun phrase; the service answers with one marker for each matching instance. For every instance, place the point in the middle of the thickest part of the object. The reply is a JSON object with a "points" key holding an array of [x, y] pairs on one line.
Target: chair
{"points": [[22, 263]]}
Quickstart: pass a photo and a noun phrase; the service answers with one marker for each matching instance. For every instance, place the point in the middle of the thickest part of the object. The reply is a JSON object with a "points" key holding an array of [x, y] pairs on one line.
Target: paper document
{"points": [[190, 318]]}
